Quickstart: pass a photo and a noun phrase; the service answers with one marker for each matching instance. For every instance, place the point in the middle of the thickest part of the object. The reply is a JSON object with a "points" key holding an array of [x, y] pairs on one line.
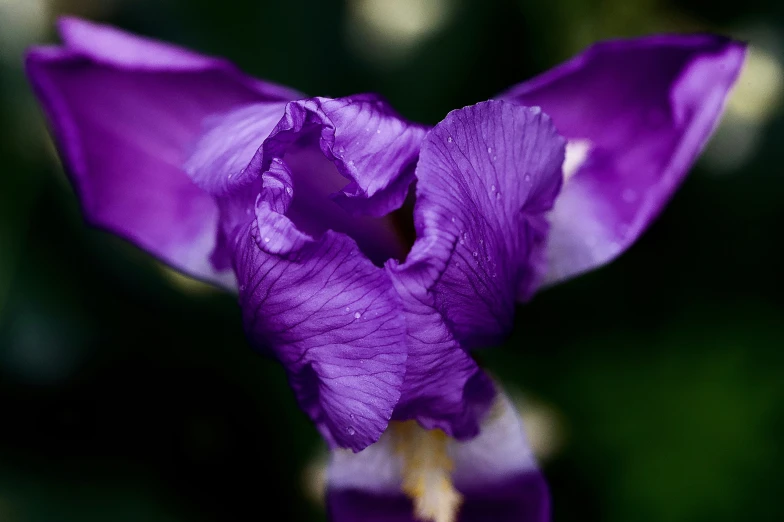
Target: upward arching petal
{"points": [[125, 112], [485, 179], [636, 114]]}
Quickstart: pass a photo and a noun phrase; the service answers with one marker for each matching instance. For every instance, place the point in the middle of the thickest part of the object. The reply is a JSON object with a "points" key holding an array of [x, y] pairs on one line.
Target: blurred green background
{"points": [[653, 388]]}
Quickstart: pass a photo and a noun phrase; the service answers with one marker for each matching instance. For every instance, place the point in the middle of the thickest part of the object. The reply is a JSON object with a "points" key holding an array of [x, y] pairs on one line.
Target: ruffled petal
{"points": [[328, 314], [371, 146], [125, 113], [636, 114], [495, 473], [309, 293], [486, 177]]}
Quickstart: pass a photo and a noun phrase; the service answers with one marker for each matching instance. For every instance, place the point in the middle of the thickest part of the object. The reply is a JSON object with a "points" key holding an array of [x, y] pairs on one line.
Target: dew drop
{"points": [[449, 139], [495, 157], [289, 191], [266, 240], [481, 241], [527, 178], [475, 253], [498, 196], [492, 188], [351, 163], [348, 309], [350, 431], [378, 131], [453, 220], [357, 315], [489, 150]]}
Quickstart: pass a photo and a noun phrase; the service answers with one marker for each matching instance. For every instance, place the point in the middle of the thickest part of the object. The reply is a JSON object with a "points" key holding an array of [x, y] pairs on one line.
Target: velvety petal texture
{"points": [[636, 114], [495, 473], [125, 112], [486, 176]]}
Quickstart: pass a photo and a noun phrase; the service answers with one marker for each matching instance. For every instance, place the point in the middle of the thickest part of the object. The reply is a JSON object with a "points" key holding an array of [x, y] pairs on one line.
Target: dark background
{"points": [[653, 388]]}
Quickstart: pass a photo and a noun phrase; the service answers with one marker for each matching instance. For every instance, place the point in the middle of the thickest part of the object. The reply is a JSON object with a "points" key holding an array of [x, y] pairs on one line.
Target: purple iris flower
{"points": [[295, 203]]}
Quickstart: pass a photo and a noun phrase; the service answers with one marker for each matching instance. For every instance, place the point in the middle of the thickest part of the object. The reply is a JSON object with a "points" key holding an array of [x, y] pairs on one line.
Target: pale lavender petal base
{"points": [[495, 472]]}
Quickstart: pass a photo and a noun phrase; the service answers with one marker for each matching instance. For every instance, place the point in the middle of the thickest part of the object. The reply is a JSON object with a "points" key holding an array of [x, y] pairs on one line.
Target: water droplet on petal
{"points": [[266, 240], [492, 188], [489, 150], [481, 241], [498, 196], [527, 178], [350, 431], [357, 315], [475, 253], [378, 131], [348, 309], [289, 191], [449, 139]]}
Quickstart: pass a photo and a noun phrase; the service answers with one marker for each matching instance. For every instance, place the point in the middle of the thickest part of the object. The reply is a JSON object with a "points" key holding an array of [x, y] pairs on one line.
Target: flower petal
{"points": [[495, 473], [125, 112], [637, 113], [486, 177], [368, 142], [309, 292], [329, 315]]}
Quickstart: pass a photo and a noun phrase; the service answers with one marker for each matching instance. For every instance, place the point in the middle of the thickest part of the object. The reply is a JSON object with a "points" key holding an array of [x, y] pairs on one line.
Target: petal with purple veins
{"points": [[310, 294], [330, 316], [485, 179]]}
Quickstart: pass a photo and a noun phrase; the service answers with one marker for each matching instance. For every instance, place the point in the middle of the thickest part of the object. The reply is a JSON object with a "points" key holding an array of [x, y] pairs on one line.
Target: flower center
{"points": [[427, 471]]}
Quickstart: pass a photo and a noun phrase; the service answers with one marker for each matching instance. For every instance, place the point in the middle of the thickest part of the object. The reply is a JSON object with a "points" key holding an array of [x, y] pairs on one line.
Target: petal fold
{"points": [[369, 144], [125, 112], [636, 114]]}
